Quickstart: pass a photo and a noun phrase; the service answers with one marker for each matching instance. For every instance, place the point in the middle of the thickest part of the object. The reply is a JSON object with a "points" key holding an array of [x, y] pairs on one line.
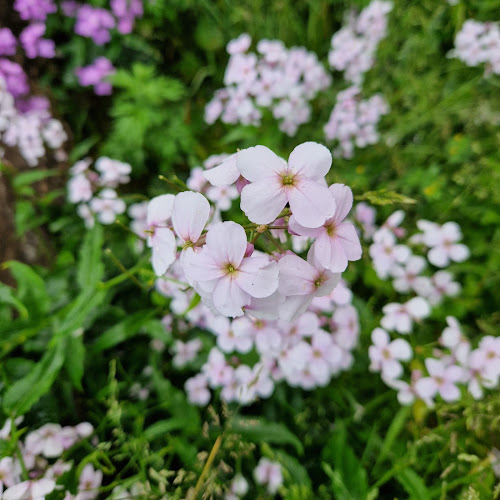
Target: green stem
{"points": [[123, 269], [274, 242]]}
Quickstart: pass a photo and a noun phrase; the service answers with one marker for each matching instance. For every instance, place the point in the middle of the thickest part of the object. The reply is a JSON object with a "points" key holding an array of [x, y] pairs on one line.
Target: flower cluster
{"points": [[294, 313], [354, 46], [29, 127], [41, 454], [455, 361], [479, 43], [96, 74], [276, 78], [353, 121], [94, 190]]}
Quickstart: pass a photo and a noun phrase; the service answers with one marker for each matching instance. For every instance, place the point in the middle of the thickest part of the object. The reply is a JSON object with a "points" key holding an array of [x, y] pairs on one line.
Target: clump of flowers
{"points": [[276, 78], [354, 46], [454, 364], [95, 75], [44, 461], [29, 127], [294, 313], [93, 190], [353, 121], [479, 43]]}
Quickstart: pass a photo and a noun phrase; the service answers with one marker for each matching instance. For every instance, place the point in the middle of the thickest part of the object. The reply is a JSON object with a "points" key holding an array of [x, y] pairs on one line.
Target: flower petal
{"points": [[296, 276], [200, 266], [160, 209], [294, 226], [189, 215], [343, 201], [263, 201], [227, 243], [311, 203], [400, 349], [225, 174], [310, 159], [229, 298], [258, 163], [258, 277], [164, 249]]}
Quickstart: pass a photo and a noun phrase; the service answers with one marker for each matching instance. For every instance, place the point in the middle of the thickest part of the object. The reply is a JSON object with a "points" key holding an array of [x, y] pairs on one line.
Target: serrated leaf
{"points": [[90, 266], [259, 430], [385, 197], [24, 393]]}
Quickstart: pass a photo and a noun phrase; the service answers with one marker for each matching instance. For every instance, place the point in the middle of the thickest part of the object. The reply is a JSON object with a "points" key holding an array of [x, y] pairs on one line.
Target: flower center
{"points": [[230, 269], [287, 179], [320, 280], [330, 228]]}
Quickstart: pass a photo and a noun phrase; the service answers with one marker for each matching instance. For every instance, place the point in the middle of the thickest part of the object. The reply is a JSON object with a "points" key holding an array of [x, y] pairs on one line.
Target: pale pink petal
{"points": [[225, 174], [229, 298], [332, 280], [310, 159], [343, 200], [160, 209], [258, 277], [459, 252], [227, 243], [266, 308], [426, 388], [164, 249], [311, 203], [400, 349], [263, 201], [294, 306], [418, 307], [391, 368], [434, 367], [438, 257], [454, 373], [200, 266], [380, 337], [329, 253], [449, 392], [294, 226], [296, 276], [349, 240], [451, 230], [189, 215], [258, 163]]}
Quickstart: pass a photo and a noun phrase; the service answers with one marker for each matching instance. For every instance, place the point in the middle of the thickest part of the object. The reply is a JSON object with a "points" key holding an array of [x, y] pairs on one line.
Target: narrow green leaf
{"points": [[90, 266], [27, 178], [393, 432], [413, 484], [31, 289], [75, 360], [164, 427], [24, 393], [261, 431]]}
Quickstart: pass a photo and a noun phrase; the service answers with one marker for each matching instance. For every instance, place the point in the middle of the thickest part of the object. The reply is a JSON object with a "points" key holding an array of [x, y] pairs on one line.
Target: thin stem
{"points": [[274, 242], [204, 472], [172, 184], [277, 227], [123, 269]]}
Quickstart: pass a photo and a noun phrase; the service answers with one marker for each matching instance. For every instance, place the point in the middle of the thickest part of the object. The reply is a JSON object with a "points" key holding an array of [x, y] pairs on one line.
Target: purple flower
{"points": [[70, 8], [95, 74], [34, 10], [126, 11], [15, 77], [8, 42], [94, 23], [33, 43]]}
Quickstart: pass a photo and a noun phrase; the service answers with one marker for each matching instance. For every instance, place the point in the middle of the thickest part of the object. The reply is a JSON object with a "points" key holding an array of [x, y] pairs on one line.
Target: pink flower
{"points": [[47, 441], [231, 336], [89, 483], [336, 241], [222, 270], [239, 45], [274, 183], [32, 490], [400, 317], [269, 474], [107, 206], [443, 242], [300, 282], [197, 390], [385, 356], [406, 277], [442, 380], [386, 253], [161, 238], [185, 352]]}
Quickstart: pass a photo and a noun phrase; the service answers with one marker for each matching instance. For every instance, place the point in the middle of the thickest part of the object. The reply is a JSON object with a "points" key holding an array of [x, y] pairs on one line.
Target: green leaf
{"points": [[413, 484], [7, 297], [75, 360], [298, 473], [260, 430], [122, 331], [393, 432], [24, 393], [385, 197], [164, 427], [90, 266], [348, 477], [26, 178], [31, 289]]}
